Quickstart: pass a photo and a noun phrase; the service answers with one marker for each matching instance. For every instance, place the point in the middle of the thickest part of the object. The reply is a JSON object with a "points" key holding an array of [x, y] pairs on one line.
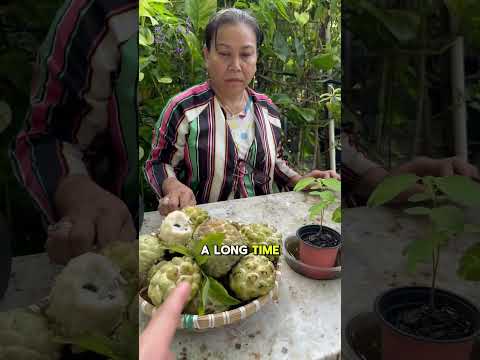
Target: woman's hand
{"points": [[154, 342], [319, 174], [177, 196], [89, 216], [423, 166]]}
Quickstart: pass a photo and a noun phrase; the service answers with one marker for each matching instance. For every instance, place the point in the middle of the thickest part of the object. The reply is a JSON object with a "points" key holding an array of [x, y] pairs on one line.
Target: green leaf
{"points": [[99, 344], [419, 210], [460, 189], [165, 80], [419, 197], [303, 183], [300, 51], [337, 215], [200, 12], [324, 62], [302, 18], [280, 47], [210, 240], [317, 209], [327, 196], [419, 250], [141, 153], [332, 184], [469, 268], [306, 113], [179, 249], [449, 218], [281, 99], [219, 294], [204, 296], [390, 188]]}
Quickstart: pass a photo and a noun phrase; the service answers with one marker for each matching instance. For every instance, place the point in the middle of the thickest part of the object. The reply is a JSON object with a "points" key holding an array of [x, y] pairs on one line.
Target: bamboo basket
{"points": [[210, 321]]}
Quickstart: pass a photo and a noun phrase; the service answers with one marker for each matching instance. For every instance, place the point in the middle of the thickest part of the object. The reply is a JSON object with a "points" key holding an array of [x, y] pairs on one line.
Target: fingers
{"points": [[82, 236], [108, 226], [58, 241], [187, 199], [324, 174], [156, 338]]}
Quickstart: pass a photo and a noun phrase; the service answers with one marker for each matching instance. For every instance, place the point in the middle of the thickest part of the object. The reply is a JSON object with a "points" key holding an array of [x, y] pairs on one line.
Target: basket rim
{"points": [[198, 322]]}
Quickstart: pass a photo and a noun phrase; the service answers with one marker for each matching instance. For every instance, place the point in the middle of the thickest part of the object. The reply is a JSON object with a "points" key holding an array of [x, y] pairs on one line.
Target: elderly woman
{"points": [[220, 139]]}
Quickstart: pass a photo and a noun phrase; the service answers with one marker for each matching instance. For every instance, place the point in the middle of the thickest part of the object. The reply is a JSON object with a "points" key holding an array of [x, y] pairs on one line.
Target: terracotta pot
{"points": [[310, 254], [399, 345]]}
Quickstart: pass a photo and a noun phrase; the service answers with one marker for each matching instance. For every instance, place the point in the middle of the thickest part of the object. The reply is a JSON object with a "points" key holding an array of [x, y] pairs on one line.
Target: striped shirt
{"points": [[193, 143], [83, 104]]}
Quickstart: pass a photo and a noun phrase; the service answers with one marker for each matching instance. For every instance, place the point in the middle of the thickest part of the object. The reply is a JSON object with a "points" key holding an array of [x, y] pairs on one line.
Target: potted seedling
{"points": [[319, 244], [427, 322]]}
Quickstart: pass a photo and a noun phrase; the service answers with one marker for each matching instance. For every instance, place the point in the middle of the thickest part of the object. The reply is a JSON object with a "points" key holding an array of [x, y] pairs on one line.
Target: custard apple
{"points": [[260, 234], [150, 251], [176, 229], [24, 335], [211, 307], [219, 265], [153, 270], [252, 277], [170, 274], [124, 255], [196, 215], [88, 296]]}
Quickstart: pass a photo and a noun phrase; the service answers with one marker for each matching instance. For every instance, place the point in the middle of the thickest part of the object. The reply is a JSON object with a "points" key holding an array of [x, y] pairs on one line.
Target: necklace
{"points": [[229, 109]]}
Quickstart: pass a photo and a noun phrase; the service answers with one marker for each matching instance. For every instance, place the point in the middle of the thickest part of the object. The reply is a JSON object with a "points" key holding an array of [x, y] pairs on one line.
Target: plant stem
{"points": [[434, 278]]}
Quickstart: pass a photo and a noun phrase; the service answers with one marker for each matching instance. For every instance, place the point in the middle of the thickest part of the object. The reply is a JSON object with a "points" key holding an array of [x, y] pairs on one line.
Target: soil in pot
{"points": [[322, 239]]}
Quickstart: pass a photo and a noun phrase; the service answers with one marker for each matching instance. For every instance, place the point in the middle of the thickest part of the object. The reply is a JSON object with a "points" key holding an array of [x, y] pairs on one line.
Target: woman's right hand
{"points": [[177, 196]]}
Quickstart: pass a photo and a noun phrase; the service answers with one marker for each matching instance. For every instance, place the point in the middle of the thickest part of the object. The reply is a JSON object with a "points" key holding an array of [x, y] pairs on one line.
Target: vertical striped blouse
{"points": [[192, 142]]}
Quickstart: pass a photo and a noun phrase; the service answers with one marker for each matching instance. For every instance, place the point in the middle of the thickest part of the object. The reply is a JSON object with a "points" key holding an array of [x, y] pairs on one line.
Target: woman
{"points": [[221, 140]]}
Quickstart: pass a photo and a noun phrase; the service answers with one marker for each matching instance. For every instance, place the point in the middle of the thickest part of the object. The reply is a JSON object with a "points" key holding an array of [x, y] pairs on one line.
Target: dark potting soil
{"points": [[444, 323], [323, 240]]}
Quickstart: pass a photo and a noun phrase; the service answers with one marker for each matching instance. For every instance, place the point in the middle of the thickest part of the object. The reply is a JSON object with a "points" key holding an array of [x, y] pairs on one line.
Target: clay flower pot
{"points": [[321, 253], [397, 344]]}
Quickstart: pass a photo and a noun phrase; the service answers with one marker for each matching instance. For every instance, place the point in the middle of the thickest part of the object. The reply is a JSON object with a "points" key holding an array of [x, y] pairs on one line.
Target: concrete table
{"points": [[304, 324], [372, 260]]}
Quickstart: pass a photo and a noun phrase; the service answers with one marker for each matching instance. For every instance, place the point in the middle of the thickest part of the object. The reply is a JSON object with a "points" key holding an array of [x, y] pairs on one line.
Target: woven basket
{"points": [[203, 322]]}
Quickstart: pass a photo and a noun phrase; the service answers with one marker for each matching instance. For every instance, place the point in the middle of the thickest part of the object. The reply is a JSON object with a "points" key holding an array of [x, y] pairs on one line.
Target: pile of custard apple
{"points": [[218, 282]]}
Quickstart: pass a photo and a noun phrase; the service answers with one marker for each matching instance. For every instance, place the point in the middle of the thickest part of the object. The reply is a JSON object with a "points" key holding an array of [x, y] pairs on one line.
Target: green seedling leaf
{"points": [[390, 188], [419, 250], [326, 196], [317, 209], [419, 197], [303, 183], [332, 184], [219, 294], [469, 268], [449, 218], [204, 296], [337, 215], [210, 240], [418, 210], [200, 11], [460, 189]]}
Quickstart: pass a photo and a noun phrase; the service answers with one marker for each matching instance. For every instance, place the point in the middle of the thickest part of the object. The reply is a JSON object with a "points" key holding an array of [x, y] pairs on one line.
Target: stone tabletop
{"points": [[370, 268], [304, 324]]}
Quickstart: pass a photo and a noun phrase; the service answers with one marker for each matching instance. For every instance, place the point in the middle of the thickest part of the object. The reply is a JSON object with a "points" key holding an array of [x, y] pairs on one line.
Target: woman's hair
{"points": [[231, 16]]}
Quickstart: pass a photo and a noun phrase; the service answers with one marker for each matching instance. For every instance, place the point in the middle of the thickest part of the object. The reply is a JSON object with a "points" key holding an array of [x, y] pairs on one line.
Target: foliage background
{"points": [[298, 60]]}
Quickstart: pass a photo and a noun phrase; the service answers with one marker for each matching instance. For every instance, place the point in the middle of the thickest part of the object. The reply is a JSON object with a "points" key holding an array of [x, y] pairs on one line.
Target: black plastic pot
{"points": [[5, 255], [397, 344]]}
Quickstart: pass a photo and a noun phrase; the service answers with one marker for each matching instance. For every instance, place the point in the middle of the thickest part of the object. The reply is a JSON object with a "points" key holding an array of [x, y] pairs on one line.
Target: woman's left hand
{"points": [[327, 174]]}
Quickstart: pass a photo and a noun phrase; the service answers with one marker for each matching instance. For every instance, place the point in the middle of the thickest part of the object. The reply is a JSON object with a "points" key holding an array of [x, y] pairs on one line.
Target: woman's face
{"points": [[232, 59]]}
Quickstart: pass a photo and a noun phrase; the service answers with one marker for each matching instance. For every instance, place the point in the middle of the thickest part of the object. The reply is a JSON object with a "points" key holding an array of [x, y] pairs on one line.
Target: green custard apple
{"points": [[253, 276], [219, 265], [176, 229], [261, 234], [150, 251], [170, 274], [197, 215]]}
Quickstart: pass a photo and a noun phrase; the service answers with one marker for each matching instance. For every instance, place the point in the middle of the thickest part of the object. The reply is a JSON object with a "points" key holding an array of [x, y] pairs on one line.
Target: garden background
{"points": [[298, 67]]}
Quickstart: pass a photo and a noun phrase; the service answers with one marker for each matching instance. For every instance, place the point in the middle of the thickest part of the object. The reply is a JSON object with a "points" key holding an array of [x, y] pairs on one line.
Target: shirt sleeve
{"points": [[168, 146], [67, 107]]}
